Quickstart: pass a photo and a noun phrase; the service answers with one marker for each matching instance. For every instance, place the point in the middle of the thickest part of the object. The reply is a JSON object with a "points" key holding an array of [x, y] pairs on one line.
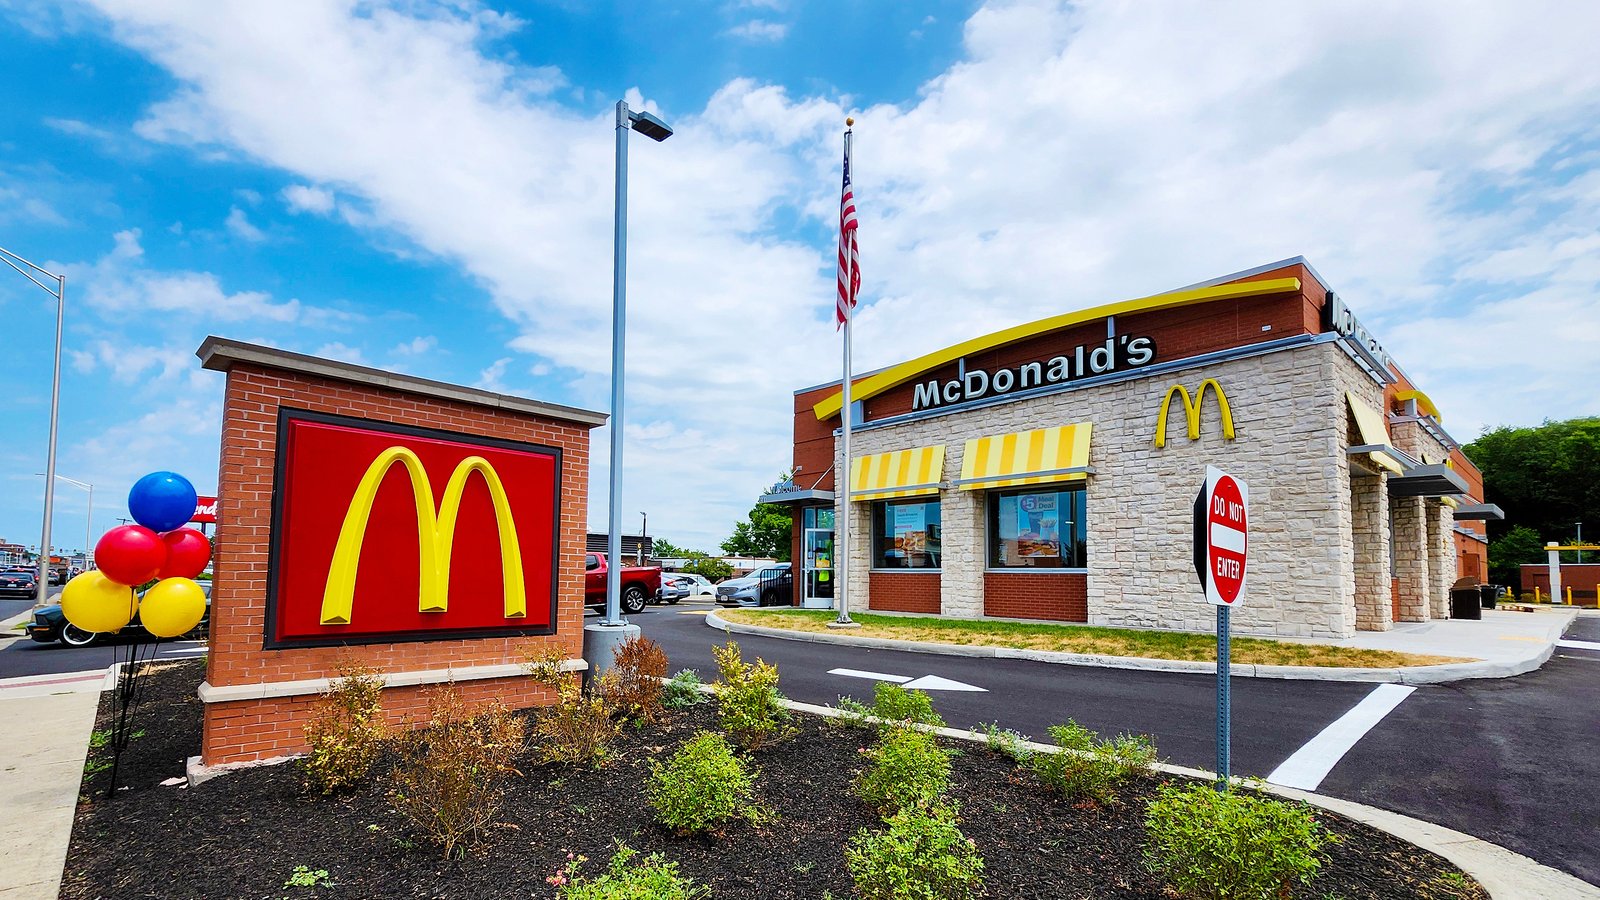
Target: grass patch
{"points": [[1177, 645]]}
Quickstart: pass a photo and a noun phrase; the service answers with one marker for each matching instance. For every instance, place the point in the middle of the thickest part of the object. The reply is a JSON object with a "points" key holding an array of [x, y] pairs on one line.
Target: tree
{"points": [[1545, 478], [1506, 555], [766, 532], [662, 548], [711, 568]]}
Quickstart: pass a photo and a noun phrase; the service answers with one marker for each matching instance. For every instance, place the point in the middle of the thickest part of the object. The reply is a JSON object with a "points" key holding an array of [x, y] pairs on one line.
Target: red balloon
{"points": [[130, 554], [188, 551]]}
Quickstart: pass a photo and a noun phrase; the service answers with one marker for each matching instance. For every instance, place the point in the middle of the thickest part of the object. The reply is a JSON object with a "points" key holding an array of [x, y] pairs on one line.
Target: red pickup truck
{"points": [[639, 584]]}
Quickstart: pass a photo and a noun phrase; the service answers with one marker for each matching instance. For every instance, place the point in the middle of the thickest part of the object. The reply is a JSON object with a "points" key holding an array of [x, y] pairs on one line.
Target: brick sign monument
{"points": [[429, 531]]}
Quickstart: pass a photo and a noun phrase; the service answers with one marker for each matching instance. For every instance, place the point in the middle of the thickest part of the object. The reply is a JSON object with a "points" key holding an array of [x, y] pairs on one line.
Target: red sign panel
{"points": [[387, 533], [205, 510], [1222, 526]]}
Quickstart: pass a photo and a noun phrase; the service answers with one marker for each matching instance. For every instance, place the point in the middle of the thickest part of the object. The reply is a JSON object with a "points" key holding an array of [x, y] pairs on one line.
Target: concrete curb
{"points": [[1411, 675], [1505, 874]]}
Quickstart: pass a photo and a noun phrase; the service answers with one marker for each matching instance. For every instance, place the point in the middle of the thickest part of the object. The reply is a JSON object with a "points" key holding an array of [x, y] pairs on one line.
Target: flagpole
{"points": [[843, 472]]}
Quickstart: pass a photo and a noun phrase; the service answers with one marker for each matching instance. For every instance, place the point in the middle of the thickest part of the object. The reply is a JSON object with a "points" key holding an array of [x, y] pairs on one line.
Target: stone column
{"points": [[961, 584], [1411, 557], [860, 554], [1441, 557], [1369, 528]]}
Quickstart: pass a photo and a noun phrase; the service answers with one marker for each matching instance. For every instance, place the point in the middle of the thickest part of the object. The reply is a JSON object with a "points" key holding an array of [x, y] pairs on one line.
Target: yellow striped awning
{"points": [[900, 473], [1374, 436], [1027, 457]]}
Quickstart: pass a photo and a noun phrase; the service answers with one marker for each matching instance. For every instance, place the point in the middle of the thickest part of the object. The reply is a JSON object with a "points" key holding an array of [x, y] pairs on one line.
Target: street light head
{"points": [[650, 126]]}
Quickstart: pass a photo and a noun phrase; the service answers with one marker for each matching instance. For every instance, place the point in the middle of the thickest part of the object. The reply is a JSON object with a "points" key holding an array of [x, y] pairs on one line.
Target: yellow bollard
{"points": [[1569, 596], [1536, 594]]}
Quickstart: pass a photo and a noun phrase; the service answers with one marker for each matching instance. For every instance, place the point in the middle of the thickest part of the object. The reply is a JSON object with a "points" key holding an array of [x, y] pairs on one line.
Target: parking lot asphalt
{"points": [[1512, 761]]}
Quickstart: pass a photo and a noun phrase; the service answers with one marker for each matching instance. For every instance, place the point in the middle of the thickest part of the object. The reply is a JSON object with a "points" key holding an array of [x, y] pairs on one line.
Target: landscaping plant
{"points": [[652, 878], [1231, 845], [578, 728], [748, 702], [1091, 770], [702, 786], [920, 854], [345, 731], [906, 768], [892, 706], [633, 683], [1007, 743], [683, 691], [451, 774]]}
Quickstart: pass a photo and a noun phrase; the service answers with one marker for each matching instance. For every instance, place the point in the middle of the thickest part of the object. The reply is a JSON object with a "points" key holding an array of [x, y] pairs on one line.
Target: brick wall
{"points": [[1062, 596], [914, 592], [254, 729]]}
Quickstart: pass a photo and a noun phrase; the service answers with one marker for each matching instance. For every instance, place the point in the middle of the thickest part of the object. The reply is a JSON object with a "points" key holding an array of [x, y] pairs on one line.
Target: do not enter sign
{"points": [[1222, 537]]}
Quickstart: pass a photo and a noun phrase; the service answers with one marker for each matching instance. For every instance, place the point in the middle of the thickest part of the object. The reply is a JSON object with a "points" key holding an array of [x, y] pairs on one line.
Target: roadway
{"points": [[1513, 761]]}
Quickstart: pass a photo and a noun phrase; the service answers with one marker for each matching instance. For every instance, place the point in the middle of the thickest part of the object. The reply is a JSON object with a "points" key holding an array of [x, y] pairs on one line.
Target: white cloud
{"points": [[239, 226], [342, 351], [491, 378], [759, 30], [417, 346], [120, 283], [1075, 154], [305, 198]]}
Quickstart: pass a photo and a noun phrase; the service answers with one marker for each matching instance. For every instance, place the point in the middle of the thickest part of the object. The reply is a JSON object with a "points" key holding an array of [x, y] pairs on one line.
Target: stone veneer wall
{"points": [[1411, 557], [1290, 420]]}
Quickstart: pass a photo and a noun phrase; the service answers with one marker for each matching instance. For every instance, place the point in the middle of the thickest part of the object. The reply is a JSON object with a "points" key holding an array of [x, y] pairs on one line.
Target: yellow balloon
{"points": [[94, 602], [173, 607]]}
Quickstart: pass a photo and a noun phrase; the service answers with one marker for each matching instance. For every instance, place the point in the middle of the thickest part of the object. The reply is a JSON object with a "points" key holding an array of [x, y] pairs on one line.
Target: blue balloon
{"points": [[162, 501]]}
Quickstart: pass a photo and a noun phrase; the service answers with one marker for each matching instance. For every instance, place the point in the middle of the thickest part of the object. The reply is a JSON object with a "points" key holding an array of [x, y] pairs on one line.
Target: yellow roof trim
{"points": [[900, 374], [1423, 403], [1039, 456]]}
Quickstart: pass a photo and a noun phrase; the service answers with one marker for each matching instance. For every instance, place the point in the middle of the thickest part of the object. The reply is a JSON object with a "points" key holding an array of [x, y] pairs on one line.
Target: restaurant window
{"points": [[905, 534], [1038, 528]]}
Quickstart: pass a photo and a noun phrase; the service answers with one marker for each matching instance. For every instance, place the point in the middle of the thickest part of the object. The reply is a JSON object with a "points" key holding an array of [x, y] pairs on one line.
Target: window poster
{"points": [[910, 528], [1038, 527]]}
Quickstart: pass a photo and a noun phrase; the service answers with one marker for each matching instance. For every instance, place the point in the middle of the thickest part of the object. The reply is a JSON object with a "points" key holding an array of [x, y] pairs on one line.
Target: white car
{"points": [[697, 584]]}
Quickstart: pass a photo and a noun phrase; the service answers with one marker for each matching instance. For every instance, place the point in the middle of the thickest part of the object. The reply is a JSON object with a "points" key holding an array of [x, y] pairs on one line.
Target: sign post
{"points": [[1221, 542]]}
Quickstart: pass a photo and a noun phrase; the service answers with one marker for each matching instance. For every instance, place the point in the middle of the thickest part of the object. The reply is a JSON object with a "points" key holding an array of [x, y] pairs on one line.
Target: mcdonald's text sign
{"points": [[385, 533]]}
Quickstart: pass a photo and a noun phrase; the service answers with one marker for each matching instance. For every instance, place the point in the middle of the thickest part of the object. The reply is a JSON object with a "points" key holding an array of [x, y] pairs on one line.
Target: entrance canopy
{"points": [[1436, 480], [1027, 457]]}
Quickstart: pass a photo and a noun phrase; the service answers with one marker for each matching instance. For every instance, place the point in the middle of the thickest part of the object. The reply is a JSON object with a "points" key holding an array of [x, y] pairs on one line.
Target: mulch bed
{"points": [[241, 835]]}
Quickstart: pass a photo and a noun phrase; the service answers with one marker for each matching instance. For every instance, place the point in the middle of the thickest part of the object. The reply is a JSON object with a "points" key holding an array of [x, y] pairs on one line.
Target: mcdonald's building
{"points": [[1048, 471]]}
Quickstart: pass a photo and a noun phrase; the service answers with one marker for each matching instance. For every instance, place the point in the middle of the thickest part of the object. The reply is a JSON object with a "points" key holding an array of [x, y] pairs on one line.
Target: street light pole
{"points": [[60, 293], [88, 528], [644, 531]]}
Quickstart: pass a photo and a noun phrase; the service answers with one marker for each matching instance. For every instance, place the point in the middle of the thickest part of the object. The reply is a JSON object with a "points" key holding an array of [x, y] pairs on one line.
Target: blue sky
{"points": [[427, 186]]}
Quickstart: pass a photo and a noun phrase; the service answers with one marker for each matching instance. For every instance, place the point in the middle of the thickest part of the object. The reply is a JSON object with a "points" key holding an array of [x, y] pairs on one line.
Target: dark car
{"points": [[49, 624], [19, 582]]}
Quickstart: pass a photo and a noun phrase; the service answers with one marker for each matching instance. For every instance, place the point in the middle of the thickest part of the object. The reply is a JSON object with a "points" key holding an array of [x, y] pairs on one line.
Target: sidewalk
{"points": [[1501, 644], [49, 718]]}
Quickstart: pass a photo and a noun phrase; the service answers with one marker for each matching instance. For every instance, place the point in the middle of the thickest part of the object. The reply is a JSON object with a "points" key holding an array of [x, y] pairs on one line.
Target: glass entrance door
{"points": [[818, 572]]}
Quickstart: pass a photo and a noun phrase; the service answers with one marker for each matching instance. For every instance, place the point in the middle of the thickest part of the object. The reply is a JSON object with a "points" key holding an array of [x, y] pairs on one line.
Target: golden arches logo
{"points": [[1191, 410], [435, 535]]}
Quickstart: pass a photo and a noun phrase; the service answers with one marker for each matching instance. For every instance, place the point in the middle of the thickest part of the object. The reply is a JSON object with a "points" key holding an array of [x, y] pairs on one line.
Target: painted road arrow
{"points": [[925, 683]]}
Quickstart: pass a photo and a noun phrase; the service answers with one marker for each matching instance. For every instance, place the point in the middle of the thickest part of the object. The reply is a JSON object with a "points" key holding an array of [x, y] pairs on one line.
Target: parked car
{"points": [[767, 586], [19, 582], [638, 585], [672, 589], [697, 584], [50, 624]]}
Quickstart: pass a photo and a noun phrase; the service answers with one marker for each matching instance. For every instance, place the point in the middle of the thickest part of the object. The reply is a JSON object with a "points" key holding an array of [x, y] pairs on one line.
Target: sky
{"points": [[427, 187]]}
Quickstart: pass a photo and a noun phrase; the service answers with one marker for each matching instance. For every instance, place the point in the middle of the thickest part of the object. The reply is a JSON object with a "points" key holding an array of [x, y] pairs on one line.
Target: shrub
{"points": [[907, 768], [345, 731], [1086, 769], [578, 729], [1230, 845], [652, 878], [683, 691], [893, 703], [633, 684], [748, 704], [451, 774], [1007, 743], [703, 785], [920, 855]]}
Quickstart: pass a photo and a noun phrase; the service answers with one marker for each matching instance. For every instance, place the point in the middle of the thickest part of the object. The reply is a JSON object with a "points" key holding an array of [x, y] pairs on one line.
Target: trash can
{"points": [[1466, 603], [1491, 593]]}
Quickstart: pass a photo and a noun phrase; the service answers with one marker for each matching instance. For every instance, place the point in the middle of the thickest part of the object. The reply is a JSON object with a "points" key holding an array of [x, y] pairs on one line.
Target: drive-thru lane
{"points": [[1513, 761]]}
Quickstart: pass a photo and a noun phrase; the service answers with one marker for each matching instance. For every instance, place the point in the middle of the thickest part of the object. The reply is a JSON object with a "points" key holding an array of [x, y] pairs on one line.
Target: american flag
{"points": [[849, 256]]}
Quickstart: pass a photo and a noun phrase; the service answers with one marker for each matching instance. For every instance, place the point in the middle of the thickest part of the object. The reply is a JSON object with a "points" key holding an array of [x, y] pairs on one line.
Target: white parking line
{"points": [[1312, 763], [1579, 645]]}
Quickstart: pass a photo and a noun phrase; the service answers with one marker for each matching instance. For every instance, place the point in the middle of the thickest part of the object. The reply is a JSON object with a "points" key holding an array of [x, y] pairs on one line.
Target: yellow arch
{"points": [[1191, 410], [900, 374], [1424, 403], [435, 536]]}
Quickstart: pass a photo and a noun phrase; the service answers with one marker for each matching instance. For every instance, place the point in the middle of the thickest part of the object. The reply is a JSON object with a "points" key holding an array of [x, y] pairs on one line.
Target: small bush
{"points": [[853, 713], [748, 704], [345, 731], [893, 703], [634, 682], [652, 878], [1007, 743], [1230, 845], [683, 691], [920, 855], [1086, 769], [578, 729], [906, 768], [702, 786], [451, 774]]}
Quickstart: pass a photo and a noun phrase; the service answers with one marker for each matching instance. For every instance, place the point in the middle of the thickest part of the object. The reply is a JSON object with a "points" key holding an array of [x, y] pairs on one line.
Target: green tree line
{"points": [[1547, 479]]}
